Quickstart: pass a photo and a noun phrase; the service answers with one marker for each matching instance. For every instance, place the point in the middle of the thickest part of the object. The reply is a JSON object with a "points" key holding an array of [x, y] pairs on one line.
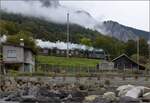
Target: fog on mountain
{"points": [[50, 10]]}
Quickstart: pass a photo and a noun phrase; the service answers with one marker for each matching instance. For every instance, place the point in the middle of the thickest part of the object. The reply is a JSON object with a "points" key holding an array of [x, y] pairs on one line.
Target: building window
{"points": [[11, 54]]}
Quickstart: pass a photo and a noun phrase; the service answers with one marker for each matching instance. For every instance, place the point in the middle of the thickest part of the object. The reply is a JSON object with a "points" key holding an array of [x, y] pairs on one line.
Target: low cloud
{"points": [[50, 10]]}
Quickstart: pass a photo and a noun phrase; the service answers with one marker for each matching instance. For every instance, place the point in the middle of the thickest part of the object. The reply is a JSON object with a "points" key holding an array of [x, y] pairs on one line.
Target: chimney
{"points": [[21, 42]]}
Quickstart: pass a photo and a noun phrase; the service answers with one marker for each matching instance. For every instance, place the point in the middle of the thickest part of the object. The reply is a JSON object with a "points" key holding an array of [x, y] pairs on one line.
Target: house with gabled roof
{"points": [[124, 62]]}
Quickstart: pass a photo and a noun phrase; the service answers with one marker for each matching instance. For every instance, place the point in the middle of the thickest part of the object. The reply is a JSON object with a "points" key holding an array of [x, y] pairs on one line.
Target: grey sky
{"points": [[130, 13]]}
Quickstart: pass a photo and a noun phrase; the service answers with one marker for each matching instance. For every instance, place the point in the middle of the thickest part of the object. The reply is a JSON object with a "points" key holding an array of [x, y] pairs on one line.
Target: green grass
{"points": [[67, 61]]}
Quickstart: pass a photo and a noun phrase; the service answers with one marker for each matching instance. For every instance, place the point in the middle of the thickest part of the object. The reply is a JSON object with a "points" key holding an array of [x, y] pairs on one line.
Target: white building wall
{"points": [[19, 54]]}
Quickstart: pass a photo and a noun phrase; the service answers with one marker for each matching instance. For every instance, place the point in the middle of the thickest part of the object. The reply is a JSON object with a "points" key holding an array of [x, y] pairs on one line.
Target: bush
{"points": [[136, 77], [142, 59], [146, 78], [107, 82], [123, 78]]}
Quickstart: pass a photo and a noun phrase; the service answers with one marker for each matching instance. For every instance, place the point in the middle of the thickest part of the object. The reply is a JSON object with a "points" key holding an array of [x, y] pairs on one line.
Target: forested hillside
{"points": [[43, 29], [13, 24]]}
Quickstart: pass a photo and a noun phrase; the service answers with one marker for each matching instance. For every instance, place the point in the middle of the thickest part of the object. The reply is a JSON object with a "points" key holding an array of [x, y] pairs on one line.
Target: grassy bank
{"points": [[67, 61]]}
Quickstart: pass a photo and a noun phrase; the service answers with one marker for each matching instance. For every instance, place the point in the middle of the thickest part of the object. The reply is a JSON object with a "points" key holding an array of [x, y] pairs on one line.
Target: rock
{"points": [[64, 94], [33, 90], [110, 96], [25, 91], [15, 96], [91, 97], [69, 97], [31, 99], [101, 100], [74, 96], [144, 89], [134, 93], [123, 93], [146, 96], [124, 89], [100, 91], [82, 87], [77, 93], [4, 94], [44, 92], [8, 82], [48, 100], [28, 99], [126, 99], [78, 96]]}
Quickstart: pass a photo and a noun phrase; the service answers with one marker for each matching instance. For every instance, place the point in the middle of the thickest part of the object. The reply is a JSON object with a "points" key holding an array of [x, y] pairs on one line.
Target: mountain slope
{"points": [[122, 32]]}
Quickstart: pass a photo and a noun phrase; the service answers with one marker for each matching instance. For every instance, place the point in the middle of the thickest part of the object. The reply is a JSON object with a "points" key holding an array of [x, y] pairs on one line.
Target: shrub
{"points": [[123, 78], [146, 78], [107, 82], [136, 77]]}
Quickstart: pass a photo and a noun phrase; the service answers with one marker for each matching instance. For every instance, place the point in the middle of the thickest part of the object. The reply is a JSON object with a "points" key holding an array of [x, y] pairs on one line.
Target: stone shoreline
{"points": [[51, 90]]}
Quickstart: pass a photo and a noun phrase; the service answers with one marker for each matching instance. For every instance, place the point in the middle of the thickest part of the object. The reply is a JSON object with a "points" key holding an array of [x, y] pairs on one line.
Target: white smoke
{"points": [[148, 42], [3, 39], [57, 44], [63, 45], [53, 11]]}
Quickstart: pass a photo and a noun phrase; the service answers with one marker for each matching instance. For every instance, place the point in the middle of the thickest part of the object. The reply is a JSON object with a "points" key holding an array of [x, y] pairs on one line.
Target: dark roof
{"points": [[128, 58], [16, 45]]}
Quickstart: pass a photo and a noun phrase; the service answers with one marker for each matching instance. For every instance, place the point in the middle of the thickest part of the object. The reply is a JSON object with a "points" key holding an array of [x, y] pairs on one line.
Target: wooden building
{"points": [[124, 62]]}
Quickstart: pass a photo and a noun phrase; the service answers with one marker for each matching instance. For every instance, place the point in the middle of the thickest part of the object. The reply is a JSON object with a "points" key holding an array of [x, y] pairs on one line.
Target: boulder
{"points": [[31, 99], [91, 97], [101, 100], [144, 89], [48, 100], [134, 93], [122, 93], [124, 89], [69, 97], [33, 90], [78, 96], [14, 96], [64, 94], [28, 100], [146, 96], [110, 96]]}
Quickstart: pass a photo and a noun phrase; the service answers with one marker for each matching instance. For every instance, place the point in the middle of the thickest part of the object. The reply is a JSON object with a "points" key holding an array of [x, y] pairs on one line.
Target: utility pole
{"points": [[1, 62], [138, 50], [149, 52], [1, 57], [67, 35]]}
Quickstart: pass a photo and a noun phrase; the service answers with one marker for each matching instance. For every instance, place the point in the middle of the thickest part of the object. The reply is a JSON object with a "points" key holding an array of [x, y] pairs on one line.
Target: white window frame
{"points": [[11, 54]]}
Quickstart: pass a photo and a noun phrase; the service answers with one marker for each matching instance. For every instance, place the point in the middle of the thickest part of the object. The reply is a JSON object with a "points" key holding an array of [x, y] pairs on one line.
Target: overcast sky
{"points": [[130, 13]]}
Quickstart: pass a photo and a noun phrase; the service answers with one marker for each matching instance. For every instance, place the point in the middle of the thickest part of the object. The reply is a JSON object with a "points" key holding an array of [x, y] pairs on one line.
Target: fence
{"points": [[87, 70], [65, 68]]}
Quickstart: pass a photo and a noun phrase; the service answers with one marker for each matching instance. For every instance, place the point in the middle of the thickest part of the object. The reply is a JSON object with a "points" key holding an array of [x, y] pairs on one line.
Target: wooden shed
{"points": [[124, 62]]}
